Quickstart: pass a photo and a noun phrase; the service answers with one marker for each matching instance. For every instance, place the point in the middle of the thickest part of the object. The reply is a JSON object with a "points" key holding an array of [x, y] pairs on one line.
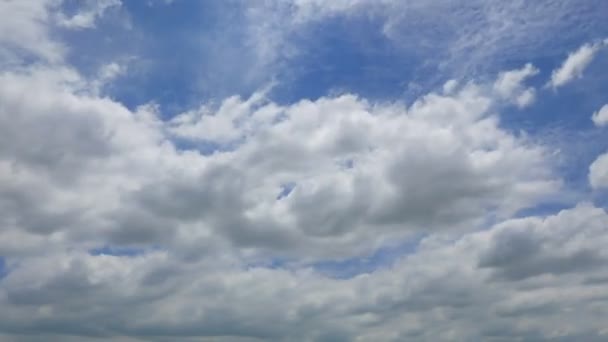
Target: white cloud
{"points": [[24, 29], [600, 118], [509, 86], [574, 65], [199, 203], [362, 173], [27, 28], [522, 279], [450, 86], [87, 16], [598, 172], [107, 74]]}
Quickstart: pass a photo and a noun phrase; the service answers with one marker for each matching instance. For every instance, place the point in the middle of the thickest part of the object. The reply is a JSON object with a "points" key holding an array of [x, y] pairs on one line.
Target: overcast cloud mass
{"points": [[303, 170]]}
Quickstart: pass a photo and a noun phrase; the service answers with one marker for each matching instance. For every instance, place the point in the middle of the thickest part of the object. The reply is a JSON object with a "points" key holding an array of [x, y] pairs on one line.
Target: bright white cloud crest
{"points": [[214, 224]]}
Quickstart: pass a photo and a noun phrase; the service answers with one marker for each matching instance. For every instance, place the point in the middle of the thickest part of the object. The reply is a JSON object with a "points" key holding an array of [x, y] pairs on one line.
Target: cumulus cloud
{"points": [[509, 86], [600, 118], [440, 293], [598, 172], [117, 222], [574, 66], [360, 172], [24, 29]]}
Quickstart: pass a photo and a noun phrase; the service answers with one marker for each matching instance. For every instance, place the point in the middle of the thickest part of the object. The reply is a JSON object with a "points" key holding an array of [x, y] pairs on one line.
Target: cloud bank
{"points": [[122, 223]]}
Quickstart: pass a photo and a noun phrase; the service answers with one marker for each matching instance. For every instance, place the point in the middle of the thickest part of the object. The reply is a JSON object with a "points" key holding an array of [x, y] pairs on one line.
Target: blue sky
{"points": [[303, 170]]}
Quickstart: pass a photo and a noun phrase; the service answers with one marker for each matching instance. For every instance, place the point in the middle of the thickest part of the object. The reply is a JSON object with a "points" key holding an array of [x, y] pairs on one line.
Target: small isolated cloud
{"points": [[510, 87], [600, 118], [574, 66]]}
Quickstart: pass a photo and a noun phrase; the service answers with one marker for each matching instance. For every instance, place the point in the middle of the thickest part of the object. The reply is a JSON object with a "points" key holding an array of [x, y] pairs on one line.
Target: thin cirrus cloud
{"points": [[123, 223]]}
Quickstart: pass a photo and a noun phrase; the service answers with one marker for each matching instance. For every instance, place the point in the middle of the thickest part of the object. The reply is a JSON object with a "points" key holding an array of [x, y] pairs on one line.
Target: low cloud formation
{"points": [[122, 222], [360, 172]]}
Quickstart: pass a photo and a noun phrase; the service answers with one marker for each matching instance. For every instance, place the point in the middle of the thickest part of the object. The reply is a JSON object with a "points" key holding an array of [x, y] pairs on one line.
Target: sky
{"points": [[303, 170]]}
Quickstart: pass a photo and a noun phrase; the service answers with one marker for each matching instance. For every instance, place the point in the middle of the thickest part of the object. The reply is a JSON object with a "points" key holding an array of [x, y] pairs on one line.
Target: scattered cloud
{"points": [[86, 17], [600, 118], [509, 86], [125, 223], [574, 65], [598, 172]]}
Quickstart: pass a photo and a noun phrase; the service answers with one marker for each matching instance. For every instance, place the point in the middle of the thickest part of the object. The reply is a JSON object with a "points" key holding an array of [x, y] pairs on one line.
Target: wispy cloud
{"points": [[574, 66]]}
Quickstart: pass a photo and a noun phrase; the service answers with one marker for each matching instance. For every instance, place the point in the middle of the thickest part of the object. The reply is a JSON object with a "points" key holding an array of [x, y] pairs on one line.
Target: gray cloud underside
{"points": [[306, 182]]}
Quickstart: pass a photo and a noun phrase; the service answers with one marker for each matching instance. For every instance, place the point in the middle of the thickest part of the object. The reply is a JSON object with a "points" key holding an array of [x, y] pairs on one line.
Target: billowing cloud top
{"points": [[303, 171]]}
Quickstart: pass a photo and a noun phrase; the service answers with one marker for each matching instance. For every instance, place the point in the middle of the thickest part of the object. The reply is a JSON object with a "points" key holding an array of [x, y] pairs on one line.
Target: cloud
{"points": [[528, 247], [122, 223], [475, 37], [361, 172], [574, 65], [87, 16], [439, 293], [598, 172], [600, 118], [509, 86], [26, 31]]}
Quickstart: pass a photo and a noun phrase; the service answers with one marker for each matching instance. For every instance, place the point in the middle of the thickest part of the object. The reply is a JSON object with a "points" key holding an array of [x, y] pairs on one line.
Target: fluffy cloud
{"points": [[509, 85], [359, 173], [598, 172], [600, 118], [24, 29], [120, 223], [574, 65], [525, 278]]}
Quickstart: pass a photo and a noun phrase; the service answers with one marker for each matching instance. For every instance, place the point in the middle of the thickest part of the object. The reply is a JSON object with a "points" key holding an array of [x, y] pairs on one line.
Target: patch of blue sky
{"points": [[118, 251], [273, 263], [560, 119], [567, 107], [286, 189], [111, 39], [194, 51], [347, 54], [177, 56], [3, 268], [383, 257], [600, 199], [205, 147]]}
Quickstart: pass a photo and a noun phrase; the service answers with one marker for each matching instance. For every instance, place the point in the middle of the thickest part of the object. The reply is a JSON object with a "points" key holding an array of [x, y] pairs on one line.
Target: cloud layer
{"points": [[125, 223]]}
